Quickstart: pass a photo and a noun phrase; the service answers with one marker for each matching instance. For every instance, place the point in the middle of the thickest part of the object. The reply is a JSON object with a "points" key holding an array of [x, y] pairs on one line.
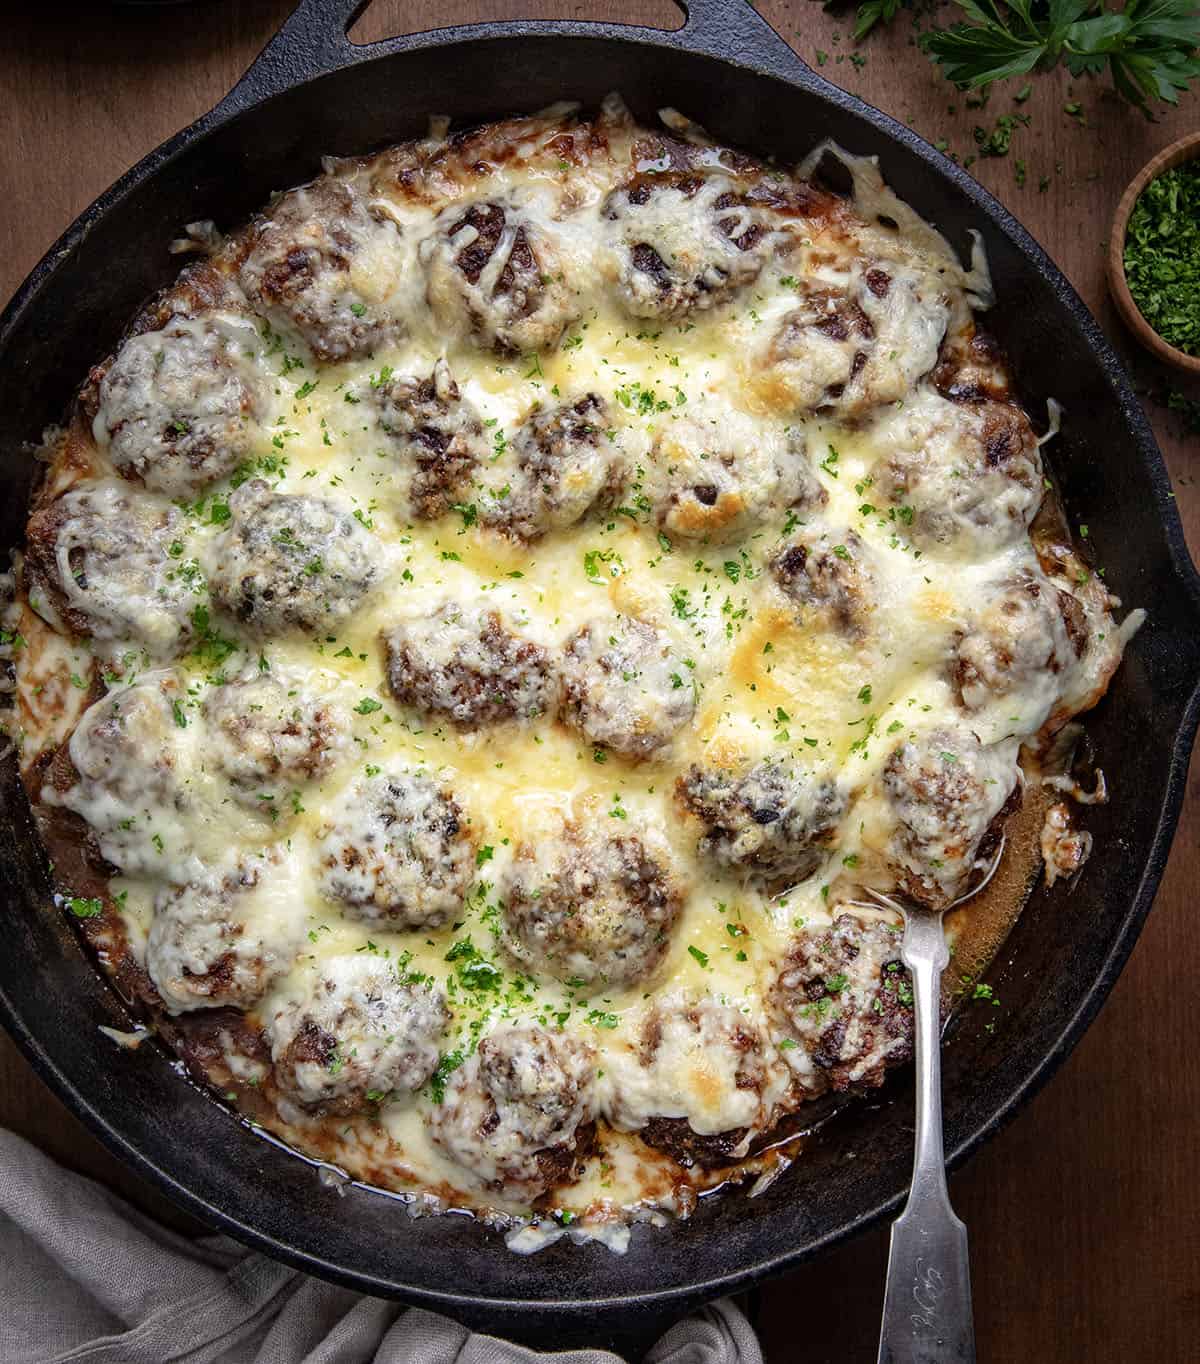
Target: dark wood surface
{"points": [[1085, 1213]]}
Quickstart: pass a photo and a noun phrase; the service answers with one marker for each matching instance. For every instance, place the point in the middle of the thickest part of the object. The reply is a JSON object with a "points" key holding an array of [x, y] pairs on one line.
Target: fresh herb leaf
{"points": [[1149, 47], [871, 13], [85, 909]]}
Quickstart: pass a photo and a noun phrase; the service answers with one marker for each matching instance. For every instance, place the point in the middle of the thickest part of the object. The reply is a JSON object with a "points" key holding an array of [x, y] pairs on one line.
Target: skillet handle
{"points": [[312, 42], [734, 30]]}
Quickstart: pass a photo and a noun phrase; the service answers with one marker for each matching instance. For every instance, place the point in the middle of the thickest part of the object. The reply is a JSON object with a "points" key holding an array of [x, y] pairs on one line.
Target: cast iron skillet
{"points": [[312, 92]]}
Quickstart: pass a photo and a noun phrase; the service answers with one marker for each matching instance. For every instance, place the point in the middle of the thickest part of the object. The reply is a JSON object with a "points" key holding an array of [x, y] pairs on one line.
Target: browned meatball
{"points": [[518, 1114], [828, 577], [682, 242], [716, 474], [774, 822], [494, 271], [971, 368], [180, 408], [583, 905], [397, 851], [623, 686], [359, 1031], [563, 464], [947, 793], [101, 561], [464, 664], [843, 998], [130, 774], [698, 1082], [320, 262], [962, 475], [1096, 641], [1026, 633], [861, 342], [205, 950], [435, 435], [287, 563], [269, 738]]}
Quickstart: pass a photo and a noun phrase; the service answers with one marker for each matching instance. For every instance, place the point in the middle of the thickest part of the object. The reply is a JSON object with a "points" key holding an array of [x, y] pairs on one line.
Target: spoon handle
{"points": [[927, 1303]]}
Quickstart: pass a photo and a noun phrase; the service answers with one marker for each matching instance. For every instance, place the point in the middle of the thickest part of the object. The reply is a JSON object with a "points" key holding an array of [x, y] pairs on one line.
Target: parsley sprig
{"points": [[1149, 47]]}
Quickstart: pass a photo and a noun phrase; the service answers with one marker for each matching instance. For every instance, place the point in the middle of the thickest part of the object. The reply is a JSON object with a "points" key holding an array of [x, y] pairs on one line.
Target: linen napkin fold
{"points": [[84, 1277]]}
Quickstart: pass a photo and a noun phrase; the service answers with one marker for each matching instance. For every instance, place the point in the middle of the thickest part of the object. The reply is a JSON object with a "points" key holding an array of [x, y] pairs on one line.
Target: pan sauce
{"points": [[664, 577]]}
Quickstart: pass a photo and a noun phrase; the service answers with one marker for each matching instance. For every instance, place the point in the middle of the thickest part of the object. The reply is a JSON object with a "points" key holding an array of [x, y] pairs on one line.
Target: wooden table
{"points": [[1085, 1213]]}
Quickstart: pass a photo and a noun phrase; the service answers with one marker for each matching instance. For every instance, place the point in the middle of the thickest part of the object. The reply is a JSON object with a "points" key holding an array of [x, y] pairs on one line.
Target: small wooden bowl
{"points": [[1175, 155]]}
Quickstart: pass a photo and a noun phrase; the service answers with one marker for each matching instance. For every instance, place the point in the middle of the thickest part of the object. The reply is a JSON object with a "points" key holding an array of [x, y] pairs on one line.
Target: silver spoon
{"points": [[927, 1301]]}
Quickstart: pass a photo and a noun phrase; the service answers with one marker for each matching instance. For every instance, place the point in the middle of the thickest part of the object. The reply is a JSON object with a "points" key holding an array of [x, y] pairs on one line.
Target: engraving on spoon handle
{"points": [[927, 1315]]}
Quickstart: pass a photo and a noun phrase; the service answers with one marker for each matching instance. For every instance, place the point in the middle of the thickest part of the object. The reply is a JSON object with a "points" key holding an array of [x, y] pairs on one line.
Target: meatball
{"points": [[861, 342], [699, 1082], [681, 242], [100, 562], [623, 686], [564, 464], [321, 263], [519, 1113], [947, 794], [360, 1031], [967, 477], [396, 851], [131, 771], [775, 822], [843, 998], [435, 435], [463, 663], [830, 583], [494, 271], [717, 474], [585, 906], [181, 407], [1096, 640], [286, 563], [268, 739], [208, 949], [971, 367], [1024, 637], [127, 739]]}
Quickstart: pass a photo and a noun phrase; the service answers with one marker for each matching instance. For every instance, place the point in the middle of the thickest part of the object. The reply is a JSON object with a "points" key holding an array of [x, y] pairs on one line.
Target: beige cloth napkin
{"points": [[84, 1277]]}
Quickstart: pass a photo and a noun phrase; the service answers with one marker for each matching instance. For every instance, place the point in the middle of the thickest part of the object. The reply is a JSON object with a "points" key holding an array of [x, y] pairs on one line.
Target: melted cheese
{"points": [[768, 680]]}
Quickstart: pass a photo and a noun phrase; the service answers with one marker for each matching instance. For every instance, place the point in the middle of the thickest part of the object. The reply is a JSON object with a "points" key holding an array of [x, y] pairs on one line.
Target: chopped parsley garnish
{"points": [[1162, 256], [446, 1066]]}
